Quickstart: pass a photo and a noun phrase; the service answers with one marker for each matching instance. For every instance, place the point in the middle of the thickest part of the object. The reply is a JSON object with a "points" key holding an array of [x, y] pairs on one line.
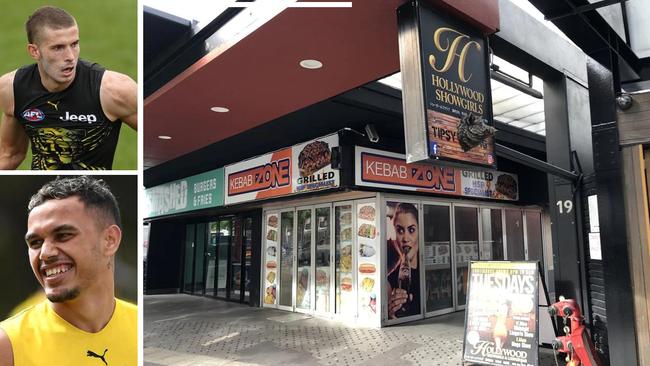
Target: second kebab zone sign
{"points": [[298, 169], [384, 169]]}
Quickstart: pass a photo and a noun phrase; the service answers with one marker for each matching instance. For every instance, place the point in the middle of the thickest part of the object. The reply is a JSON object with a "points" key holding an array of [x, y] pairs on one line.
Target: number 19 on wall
{"points": [[565, 206]]}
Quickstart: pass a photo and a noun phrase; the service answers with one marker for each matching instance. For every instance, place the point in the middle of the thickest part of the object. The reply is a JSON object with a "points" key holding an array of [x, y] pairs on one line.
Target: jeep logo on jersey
{"points": [[90, 118], [34, 115]]}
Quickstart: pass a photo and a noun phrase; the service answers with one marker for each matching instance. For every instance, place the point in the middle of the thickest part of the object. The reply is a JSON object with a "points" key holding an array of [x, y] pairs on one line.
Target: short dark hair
{"points": [[47, 16], [94, 193]]}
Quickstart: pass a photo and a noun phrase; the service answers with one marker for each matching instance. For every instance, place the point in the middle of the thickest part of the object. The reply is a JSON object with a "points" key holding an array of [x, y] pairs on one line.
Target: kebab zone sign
{"points": [[298, 169], [382, 169]]}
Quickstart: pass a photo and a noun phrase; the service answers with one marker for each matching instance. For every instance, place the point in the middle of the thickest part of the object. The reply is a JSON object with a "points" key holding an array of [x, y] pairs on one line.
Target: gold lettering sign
{"points": [[451, 48]]}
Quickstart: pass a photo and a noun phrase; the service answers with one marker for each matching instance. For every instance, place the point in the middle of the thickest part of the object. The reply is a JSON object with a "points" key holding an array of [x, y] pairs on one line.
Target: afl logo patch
{"points": [[34, 115]]}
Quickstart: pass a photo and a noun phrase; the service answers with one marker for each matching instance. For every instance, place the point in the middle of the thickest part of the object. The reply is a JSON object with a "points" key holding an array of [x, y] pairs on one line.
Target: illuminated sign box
{"points": [[297, 169], [383, 169], [193, 193], [445, 88]]}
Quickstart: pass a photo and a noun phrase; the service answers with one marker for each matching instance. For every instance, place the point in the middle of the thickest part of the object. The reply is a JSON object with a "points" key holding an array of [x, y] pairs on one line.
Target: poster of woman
{"points": [[402, 231]]}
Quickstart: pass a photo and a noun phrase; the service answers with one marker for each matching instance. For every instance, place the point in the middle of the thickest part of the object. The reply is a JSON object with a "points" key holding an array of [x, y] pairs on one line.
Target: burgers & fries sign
{"points": [[298, 169]]}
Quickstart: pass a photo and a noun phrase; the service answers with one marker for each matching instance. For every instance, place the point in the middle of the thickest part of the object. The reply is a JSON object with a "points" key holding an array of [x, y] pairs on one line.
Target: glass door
{"points": [[247, 240], [515, 235], [199, 263], [534, 243], [223, 246], [345, 300], [286, 260], [437, 259], [210, 273], [322, 259], [492, 232], [466, 248], [304, 268], [188, 268], [235, 276]]}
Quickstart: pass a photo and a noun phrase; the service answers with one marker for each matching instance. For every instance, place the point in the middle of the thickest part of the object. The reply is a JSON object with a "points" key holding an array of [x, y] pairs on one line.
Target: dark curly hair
{"points": [[94, 193]]}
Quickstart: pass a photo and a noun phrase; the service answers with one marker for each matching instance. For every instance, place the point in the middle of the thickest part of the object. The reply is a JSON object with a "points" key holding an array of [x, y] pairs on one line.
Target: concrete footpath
{"points": [[183, 330]]}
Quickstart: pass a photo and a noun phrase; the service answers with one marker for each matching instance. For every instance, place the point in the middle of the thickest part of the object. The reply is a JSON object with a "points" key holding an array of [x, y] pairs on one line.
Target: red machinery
{"points": [[576, 343]]}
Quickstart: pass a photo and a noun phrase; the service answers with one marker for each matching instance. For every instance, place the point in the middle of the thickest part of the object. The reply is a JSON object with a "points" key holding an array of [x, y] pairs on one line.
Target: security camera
{"points": [[371, 132], [624, 101]]}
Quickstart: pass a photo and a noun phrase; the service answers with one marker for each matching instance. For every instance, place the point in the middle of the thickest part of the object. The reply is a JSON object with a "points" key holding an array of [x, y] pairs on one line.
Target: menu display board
{"points": [[382, 169], [367, 260], [501, 324], [271, 259], [298, 169]]}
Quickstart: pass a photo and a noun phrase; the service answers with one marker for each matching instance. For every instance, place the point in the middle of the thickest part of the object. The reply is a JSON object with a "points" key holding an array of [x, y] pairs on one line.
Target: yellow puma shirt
{"points": [[39, 337]]}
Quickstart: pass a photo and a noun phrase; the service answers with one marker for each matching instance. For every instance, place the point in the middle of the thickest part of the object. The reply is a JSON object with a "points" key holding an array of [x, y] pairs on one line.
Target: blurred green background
{"points": [[108, 32], [19, 281]]}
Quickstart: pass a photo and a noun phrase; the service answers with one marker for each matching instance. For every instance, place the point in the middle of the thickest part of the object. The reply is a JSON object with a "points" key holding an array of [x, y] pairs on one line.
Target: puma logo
{"points": [[93, 354], [55, 105]]}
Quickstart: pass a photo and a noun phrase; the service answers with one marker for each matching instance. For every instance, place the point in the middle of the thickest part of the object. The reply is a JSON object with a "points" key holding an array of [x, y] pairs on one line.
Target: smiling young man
{"points": [[70, 110], [73, 233]]}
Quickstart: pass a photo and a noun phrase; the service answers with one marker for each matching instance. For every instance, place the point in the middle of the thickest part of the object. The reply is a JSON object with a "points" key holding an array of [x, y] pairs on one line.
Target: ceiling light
{"points": [[164, 137], [220, 109], [311, 64]]}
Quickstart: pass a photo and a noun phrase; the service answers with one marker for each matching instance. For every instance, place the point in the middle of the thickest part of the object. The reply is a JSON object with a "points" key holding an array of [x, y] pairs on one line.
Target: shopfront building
{"points": [[344, 239], [333, 240]]}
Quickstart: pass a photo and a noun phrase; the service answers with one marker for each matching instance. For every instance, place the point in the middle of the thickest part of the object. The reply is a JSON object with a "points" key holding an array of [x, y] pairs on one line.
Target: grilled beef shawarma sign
{"points": [[298, 169], [453, 119]]}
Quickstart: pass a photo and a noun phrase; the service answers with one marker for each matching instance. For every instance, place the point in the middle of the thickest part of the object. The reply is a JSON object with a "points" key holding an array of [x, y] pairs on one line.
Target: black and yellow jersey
{"points": [[67, 129], [39, 336]]}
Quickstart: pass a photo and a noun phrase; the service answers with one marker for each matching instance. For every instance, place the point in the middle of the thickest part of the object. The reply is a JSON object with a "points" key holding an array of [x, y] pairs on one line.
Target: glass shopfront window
{"points": [[286, 259], [188, 273], [515, 235], [466, 223], [303, 273], [323, 249], [437, 258], [534, 237], [199, 263], [247, 235], [325, 258], [213, 258], [343, 247], [492, 247]]}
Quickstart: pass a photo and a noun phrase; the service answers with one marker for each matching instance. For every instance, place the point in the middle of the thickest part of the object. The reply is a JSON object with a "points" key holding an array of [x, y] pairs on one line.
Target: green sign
{"points": [[197, 192]]}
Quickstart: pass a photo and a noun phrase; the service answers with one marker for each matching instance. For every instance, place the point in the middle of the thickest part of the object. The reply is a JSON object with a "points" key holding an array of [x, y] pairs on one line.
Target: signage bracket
{"points": [[519, 157]]}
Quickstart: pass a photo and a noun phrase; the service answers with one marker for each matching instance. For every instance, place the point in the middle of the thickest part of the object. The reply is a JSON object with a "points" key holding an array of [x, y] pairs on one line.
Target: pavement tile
{"points": [[183, 330]]}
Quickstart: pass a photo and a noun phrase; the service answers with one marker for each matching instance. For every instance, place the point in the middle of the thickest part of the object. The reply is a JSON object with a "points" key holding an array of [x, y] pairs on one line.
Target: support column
{"points": [[563, 207], [611, 210]]}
